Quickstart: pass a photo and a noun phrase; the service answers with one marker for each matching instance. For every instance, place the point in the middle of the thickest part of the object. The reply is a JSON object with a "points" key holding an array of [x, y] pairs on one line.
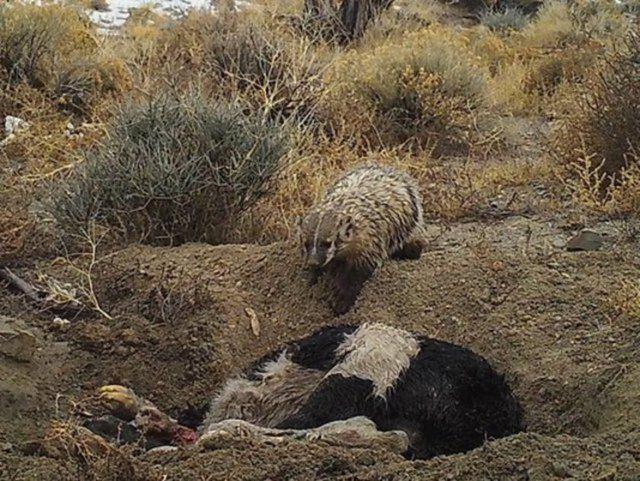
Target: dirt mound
{"points": [[182, 324]]}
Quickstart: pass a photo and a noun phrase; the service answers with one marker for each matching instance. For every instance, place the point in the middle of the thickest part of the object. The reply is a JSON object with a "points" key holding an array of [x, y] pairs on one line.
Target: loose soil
{"points": [[506, 288]]}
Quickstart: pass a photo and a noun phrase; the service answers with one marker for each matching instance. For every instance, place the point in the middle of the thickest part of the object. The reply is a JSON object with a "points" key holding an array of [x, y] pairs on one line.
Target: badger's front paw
{"points": [[121, 401], [342, 305]]}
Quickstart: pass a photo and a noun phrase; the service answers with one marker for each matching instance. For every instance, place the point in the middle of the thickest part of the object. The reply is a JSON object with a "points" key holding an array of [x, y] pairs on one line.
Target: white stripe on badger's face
{"points": [[323, 246], [378, 353]]}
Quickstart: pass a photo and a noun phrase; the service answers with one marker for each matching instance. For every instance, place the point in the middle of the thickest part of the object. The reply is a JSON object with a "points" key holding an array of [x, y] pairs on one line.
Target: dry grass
{"points": [[591, 187], [552, 27], [626, 300], [33, 40], [243, 57], [551, 54], [54, 48], [452, 190]]}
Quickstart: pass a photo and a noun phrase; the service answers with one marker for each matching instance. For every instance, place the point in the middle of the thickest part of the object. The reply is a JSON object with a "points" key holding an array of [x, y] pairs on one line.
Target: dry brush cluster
{"points": [[223, 126]]}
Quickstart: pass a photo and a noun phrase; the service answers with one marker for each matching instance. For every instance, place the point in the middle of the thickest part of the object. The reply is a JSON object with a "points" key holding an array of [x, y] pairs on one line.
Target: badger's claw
{"points": [[121, 401]]}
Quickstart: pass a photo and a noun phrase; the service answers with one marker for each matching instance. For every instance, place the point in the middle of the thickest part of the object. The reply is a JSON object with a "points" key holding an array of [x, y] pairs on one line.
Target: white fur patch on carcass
{"points": [[377, 353], [281, 390]]}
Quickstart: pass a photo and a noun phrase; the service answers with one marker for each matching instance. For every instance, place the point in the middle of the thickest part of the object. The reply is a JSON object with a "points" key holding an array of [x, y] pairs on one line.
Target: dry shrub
{"points": [[83, 81], [552, 27], [241, 55], [559, 24], [625, 300], [54, 48], [173, 170], [502, 56], [597, 140], [556, 50], [426, 91], [33, 39], [508, 90], [93, 456], [340, 21], [593, 188], [403, 17], [600, 18], [567, 65]]}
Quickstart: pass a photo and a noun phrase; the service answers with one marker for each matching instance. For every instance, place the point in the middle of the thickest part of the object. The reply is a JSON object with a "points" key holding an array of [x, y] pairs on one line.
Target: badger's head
{"points": [[324, 236]]}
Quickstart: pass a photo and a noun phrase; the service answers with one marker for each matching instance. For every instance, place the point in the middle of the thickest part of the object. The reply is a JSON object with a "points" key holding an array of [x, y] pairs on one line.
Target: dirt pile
{"points": [[545, 317]]}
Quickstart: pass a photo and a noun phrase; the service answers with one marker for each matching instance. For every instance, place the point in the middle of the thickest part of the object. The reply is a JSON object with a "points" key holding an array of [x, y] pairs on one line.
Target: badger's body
{"points": [[446, 398], [369, 215]]}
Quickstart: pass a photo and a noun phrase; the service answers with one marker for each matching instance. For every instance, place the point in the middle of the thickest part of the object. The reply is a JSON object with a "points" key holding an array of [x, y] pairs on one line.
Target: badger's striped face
{"points": [[323, 235]]}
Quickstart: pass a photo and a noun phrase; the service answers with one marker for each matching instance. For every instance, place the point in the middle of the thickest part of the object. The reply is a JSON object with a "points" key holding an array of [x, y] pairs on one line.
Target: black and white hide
{"points": [[446, 398]]}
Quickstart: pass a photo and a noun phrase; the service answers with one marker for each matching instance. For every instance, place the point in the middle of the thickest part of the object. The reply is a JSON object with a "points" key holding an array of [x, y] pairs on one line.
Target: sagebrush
{"points": [[173, 170], [426, 91]]}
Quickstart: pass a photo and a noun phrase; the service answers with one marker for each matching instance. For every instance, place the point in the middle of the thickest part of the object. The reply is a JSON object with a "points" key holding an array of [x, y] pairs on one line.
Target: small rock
{"points": [[6, 447], [586, 240], [15, 340], [13, 125], [61, 324]]}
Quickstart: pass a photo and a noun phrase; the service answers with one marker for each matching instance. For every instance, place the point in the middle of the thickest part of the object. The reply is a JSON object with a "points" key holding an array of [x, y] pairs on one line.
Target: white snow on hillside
{"points": [[119, 10]]}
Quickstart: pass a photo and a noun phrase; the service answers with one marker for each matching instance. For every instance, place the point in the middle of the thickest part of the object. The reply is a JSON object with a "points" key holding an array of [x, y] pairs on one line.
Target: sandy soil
{"points": [[508, 289]]}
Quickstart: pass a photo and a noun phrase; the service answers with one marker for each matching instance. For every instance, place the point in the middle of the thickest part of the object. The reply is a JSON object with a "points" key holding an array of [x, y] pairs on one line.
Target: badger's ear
{"points": [[346, 229]]}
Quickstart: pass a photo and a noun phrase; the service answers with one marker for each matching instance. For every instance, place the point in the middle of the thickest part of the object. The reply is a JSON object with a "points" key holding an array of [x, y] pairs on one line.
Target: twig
{"points": [[38, 296], [27, 289], [89, 290]]}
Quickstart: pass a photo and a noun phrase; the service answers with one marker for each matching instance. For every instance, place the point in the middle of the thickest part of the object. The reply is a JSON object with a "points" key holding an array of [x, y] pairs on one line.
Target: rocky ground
{"points": [[553, 320]]}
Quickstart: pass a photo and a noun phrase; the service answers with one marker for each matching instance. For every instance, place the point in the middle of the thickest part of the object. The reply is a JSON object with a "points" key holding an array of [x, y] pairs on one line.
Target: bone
{"points": [[356, 432]]}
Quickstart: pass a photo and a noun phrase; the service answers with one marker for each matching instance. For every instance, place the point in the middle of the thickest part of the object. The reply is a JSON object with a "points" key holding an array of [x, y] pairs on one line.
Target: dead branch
{"points": [[38, 296], [346, 20]]}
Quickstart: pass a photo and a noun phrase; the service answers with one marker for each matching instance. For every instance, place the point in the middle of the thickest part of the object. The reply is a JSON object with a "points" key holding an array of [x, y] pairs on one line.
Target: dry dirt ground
{"points": [[548, 318]]}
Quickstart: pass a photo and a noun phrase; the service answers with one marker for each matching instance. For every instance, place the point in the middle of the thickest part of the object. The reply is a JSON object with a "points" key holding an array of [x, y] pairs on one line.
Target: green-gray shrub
{"points": [[504, 20], [173, 170]]}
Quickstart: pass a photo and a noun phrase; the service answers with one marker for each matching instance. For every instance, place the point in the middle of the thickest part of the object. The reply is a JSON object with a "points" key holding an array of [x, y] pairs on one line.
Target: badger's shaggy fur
{"points": [[446, 398], [370, 214]]}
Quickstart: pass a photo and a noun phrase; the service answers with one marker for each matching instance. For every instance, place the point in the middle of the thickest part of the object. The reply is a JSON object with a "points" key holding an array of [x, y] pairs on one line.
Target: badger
{"points": [[369, 215], [446, 398]]}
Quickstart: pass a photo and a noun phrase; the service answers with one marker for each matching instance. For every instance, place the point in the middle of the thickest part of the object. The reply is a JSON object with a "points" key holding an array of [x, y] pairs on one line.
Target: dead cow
{"points": [[353, 385]]}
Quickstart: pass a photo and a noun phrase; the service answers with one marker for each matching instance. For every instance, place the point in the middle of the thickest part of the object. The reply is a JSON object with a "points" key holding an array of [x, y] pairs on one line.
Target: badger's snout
{"points": [[313, 261]]}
